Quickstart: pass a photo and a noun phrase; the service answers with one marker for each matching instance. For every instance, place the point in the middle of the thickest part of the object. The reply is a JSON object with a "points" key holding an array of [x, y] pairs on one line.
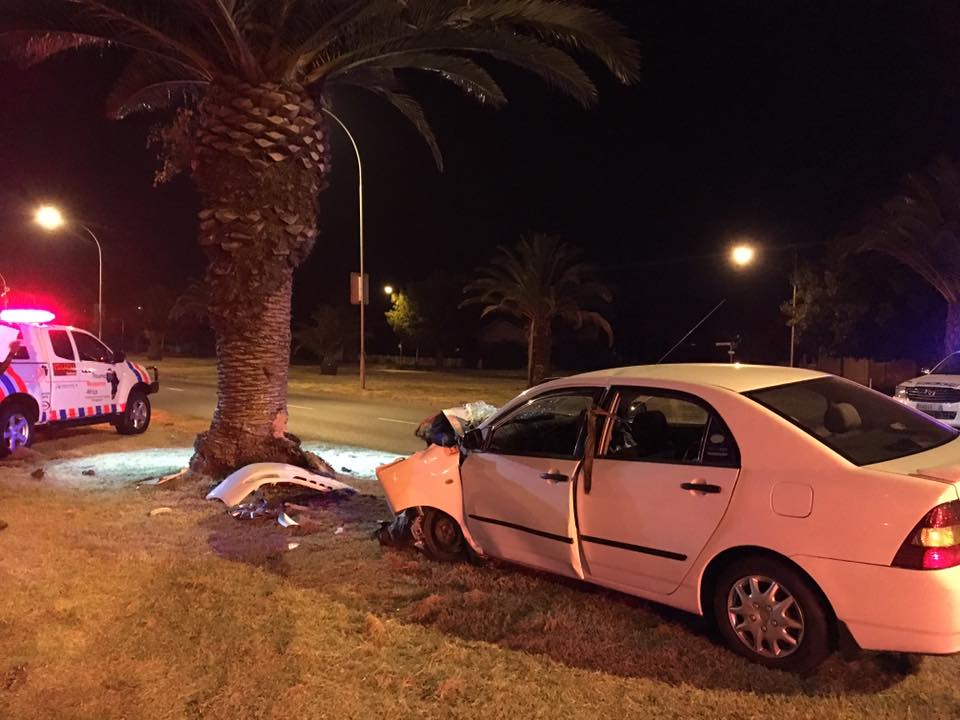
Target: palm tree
{"points": [[193, 304], [920, 227], [252, 78], [542, 280]]}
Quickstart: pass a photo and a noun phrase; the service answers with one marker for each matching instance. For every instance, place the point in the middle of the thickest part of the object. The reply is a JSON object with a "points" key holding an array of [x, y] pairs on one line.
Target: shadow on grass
{"points": [[570, 622]]}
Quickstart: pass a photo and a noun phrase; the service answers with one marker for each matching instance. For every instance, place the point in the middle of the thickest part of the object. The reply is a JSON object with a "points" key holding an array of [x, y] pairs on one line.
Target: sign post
{"points": [[360, 288]]}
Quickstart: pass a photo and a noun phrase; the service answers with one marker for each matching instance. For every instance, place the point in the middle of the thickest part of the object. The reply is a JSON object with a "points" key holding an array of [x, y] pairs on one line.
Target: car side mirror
{"points": [[119, 357], [472, 440]]}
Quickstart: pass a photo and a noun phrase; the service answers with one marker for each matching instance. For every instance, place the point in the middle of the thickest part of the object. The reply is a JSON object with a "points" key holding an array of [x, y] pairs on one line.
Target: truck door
{"points": [[95, 361], [66, 388]]}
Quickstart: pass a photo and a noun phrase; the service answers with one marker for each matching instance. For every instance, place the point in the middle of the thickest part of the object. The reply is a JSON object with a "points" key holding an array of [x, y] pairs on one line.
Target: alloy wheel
{"points": [[16, 434], [138, 414]]}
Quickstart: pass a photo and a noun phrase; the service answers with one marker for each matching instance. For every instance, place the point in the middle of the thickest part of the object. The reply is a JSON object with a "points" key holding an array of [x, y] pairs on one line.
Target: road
{"points": [[376, 424]]}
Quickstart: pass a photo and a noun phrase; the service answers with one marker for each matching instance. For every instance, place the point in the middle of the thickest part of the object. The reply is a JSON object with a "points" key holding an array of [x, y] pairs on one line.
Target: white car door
{"points": [[517, 491], [96, 362], [663, 477], [67, 389]]}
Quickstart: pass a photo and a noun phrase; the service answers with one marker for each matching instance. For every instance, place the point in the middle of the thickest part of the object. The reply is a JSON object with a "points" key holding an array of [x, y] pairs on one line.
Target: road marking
{"points": [[173, 389], [399, 422], [299, 407]]}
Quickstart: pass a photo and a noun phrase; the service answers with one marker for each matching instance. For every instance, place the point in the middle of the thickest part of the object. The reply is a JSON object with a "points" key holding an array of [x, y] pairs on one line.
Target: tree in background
{"points": [[404, 318], [323, 335], [538, 282], [156, 302], [920, 227], [256, 75]]}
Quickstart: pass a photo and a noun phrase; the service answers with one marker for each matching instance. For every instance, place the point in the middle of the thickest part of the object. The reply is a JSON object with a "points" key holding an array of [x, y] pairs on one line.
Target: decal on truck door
{"points": [[11, 383]]}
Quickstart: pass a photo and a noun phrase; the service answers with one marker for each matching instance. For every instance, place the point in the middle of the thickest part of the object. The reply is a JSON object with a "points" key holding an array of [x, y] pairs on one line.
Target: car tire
{"points": [[770, 613], [442, 536], [16, 427], [135, 418]]}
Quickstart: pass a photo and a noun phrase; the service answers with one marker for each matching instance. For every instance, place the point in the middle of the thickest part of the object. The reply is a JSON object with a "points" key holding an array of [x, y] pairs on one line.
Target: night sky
{"points": [[777, 120]]}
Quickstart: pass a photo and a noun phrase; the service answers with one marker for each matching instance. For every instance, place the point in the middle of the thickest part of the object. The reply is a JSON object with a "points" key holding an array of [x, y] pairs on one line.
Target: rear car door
{"points": [[663, 477], [517, 491], [67, 390], [96, 364]]}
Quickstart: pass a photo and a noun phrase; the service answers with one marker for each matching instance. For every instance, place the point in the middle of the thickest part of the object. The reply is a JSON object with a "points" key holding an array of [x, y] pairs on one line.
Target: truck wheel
{"points": [[17, 428], [136, 416]]}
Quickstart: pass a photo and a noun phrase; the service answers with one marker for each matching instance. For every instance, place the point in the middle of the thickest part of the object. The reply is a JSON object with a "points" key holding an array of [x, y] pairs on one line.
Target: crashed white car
{"points": [[937, 392], [798, 510]]}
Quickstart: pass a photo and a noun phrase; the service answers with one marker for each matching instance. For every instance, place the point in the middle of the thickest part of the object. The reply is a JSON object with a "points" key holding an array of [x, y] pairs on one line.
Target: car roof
{"points": [[732, 376]]}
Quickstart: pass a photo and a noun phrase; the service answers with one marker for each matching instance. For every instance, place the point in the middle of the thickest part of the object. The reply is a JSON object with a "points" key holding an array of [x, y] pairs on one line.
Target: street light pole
{"points": [[362, 294], [99, 282], [793, 308]]}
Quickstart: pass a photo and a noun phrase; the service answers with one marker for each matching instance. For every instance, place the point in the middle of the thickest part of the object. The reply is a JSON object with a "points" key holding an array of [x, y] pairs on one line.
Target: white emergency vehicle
{"points": [[65, 376]]}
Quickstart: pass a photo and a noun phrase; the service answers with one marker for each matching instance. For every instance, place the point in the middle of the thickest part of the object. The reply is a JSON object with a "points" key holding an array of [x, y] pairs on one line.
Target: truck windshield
{"points": [[863, 426], [950, 365]]}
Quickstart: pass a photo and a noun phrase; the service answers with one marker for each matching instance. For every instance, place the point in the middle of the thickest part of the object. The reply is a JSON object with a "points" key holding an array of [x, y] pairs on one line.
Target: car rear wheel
{"points": [[136, 415], [17, 428], [770, 613], [442, 537]]}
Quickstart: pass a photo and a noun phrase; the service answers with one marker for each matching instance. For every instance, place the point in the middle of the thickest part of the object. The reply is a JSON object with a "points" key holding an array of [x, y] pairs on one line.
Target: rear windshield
{"points": [[861, 425]]}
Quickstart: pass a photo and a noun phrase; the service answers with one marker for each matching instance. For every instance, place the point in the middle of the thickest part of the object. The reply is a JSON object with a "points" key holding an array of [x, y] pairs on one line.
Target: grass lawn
{"points": [[442, 388], [109, 613]]}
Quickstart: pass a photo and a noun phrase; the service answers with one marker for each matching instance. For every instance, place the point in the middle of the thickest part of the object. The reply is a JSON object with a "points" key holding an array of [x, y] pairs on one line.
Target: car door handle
{"points": [[554, 477], [701, 487]]}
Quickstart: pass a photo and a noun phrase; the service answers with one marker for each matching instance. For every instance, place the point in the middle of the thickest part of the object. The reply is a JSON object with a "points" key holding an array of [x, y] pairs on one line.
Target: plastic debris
{"points": [[160, 511], [247, 479], [338, 531], [292, 545], [249, 511], [90, 472], [285, 520], [172, 476]]}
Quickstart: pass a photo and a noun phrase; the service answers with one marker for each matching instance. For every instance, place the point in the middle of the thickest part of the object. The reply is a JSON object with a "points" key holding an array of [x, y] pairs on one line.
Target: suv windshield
{"points": [[950, 365], [859, 424]]}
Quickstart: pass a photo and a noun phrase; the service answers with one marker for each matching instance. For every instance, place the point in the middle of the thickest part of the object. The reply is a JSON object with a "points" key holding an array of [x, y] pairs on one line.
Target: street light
{"points": [[51, 219], [742, 255], [363, 284], [388, 289]]}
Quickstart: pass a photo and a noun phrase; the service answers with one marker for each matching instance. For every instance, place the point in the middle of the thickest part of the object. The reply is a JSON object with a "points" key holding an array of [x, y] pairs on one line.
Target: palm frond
{"points": [[148, 83], [412, 111]]}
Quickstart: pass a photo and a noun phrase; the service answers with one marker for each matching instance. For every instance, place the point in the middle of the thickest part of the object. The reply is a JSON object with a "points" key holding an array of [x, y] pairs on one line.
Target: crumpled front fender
{"points": [[429, 478]]}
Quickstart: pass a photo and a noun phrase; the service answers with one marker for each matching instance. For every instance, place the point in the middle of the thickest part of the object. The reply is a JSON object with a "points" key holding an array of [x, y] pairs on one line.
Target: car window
{"points": [[861, 425], [62, 347], [661, 426], [546, 426], [950, 365], [90, 349]]}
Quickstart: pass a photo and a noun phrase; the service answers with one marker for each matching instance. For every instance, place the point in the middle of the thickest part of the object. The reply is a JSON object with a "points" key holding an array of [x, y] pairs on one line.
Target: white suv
{"points": [[936, 392], [65, 376]]}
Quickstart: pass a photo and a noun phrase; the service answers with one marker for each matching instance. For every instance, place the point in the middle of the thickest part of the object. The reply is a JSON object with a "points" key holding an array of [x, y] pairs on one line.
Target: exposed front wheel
{"points": [[771, 614], [136, 415], [442, 537], [17, 428]]}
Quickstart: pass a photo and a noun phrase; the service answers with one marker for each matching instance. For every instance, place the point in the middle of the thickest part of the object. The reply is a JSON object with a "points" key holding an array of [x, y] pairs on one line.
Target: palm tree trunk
{"points": [[538, 351], [260, 163], [951, 335]]}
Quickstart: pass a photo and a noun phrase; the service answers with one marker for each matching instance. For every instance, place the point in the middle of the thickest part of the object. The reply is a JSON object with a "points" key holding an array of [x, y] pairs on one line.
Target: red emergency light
{"points": [[22, 315]]}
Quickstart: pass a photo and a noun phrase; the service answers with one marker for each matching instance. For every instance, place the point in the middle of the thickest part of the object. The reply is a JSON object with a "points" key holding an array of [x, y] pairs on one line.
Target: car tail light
{"points": [[934, 543]]}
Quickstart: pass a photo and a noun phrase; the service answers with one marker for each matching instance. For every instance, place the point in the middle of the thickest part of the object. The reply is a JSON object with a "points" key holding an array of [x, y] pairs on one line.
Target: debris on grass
{"points": [[38, 474], [89, 472], [160, 511], [251, 478], [338, 531], [284, 520], [172, 476]]}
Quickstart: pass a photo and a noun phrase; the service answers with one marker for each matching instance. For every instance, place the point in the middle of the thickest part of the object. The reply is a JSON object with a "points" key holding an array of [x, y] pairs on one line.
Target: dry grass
{"points": [[109, 613], [426, 387]]}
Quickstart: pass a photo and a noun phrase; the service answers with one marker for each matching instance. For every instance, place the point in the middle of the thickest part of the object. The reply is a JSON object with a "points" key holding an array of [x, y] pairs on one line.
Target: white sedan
{"points": [[796, 509]]}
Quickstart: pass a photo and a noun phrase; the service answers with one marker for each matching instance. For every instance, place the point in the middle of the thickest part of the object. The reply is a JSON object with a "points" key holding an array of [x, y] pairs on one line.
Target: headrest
{"points": [[841, 418], [652, 421]]}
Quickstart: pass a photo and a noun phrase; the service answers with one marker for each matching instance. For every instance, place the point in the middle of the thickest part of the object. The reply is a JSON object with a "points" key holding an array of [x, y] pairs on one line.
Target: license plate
{"points": [[930, 407]]}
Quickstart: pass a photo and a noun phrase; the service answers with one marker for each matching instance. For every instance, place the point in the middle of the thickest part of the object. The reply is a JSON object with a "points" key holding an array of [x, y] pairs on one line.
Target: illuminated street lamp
{"points": [[51, 219], [388, 289], [742, 255]]}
